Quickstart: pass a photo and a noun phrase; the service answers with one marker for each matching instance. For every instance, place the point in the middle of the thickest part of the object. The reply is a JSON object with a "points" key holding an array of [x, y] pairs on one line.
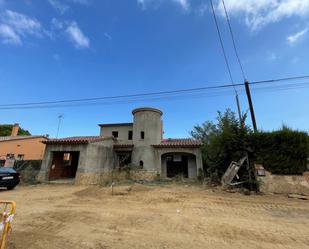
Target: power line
{"points": [[123, 96], [215, 91], [233, 40], [281, 79], [225, 58], [149, 94], [221, 43]]}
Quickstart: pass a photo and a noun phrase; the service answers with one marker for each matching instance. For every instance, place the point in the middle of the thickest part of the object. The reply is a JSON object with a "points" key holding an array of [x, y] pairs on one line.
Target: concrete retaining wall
{"points": [[285, 184]]}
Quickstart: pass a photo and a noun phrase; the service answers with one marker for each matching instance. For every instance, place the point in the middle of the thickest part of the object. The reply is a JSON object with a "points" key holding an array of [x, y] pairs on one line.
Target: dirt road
{"points": [[65, 216]]}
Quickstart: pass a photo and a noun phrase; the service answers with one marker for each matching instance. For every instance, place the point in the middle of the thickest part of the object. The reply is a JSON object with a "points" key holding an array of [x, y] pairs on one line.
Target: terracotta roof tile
{"points": [[178, 143], [76, 140]]}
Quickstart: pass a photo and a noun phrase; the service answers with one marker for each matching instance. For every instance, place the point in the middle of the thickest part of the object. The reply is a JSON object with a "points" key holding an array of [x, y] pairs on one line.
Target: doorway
{"points": [[64, 165], [176, 165]]}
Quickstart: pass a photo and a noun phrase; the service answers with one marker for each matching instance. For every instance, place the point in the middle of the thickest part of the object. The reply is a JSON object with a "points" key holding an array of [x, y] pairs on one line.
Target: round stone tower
{"points": [[147, 131]]}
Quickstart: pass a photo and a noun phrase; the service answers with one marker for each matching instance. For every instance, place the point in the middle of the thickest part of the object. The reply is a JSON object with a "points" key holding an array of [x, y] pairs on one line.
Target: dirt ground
{"points": [[139, 216]]}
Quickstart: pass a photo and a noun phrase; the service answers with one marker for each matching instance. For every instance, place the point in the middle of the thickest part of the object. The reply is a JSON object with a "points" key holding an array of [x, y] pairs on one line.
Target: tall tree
{"points": [[223, 141]]}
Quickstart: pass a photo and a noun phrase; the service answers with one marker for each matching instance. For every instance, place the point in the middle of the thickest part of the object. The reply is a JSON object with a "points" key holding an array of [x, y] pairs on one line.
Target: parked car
{"points": [[9, 178]]}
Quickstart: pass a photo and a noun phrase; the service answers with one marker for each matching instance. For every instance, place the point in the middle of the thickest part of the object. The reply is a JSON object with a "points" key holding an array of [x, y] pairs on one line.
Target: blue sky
{"points": [[68, 49]]}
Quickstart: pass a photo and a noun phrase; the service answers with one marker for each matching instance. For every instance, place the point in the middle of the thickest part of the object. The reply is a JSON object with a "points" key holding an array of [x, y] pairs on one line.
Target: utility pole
{"points": [[59, 123], [250, 105], [238, 107]]}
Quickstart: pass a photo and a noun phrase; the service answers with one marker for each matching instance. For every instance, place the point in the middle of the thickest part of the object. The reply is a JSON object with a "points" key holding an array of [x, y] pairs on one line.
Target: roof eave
{"points": [[115, 124]]}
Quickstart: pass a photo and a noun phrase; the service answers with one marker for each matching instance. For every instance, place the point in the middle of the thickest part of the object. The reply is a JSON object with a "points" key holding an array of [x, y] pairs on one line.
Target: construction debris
{"points": [[231, 172]]}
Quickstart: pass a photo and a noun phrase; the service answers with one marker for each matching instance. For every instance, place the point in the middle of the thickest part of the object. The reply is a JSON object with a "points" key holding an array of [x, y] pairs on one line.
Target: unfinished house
{"points": [[87, 159]]}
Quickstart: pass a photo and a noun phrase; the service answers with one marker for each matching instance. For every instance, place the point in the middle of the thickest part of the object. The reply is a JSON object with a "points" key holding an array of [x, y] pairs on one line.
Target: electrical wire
{"points": [[123, 96], [222, 45], [233, 40], [175, 95], [133, 97], [281, 79]]}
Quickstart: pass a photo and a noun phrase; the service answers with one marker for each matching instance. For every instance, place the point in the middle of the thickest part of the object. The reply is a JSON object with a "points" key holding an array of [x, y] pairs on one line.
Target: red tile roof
{"points": [[178, 143], [76, 140], [166, 143]]}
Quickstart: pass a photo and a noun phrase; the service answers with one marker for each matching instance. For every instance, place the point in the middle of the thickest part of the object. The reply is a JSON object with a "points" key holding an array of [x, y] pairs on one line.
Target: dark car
{"points": [[9, 178]]}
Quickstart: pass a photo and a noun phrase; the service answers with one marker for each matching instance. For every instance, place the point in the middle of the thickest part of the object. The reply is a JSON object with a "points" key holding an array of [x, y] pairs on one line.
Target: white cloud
{"points": [[59, 6], [202, 9], [56, 24], [15, 26], [184, 4], [8, 35], [292, 39], [76, 36], [21, 23], [62, 6], [72, 31], [258, 13]]}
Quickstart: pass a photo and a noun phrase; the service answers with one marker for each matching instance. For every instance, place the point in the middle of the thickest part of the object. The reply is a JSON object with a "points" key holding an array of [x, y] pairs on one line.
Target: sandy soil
{"points": [[65, 216]]}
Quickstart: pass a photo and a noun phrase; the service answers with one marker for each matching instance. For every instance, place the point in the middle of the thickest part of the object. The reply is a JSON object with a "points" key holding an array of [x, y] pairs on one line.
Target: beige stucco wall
{"points": [[149, 121], [194, 164], [123, 132], [285, 184], [32, 148], [48, 158]]}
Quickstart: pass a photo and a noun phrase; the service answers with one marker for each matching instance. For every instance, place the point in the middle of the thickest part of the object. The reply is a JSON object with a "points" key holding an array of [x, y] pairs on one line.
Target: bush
{"points": [[229, 139], [200, 175], [281, 152], [131, 167]]}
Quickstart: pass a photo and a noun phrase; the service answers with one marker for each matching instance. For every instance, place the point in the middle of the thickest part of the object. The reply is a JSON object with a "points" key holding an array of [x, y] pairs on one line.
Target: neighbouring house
{"points": [[140, 143], [15, 147]]}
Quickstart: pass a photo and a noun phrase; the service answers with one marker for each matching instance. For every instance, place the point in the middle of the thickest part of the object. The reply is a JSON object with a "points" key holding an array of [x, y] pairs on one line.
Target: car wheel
{"points": [[10, 188]]}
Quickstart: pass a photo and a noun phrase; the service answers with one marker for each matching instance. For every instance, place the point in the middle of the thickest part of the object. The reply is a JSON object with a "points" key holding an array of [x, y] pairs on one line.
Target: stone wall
{"points": [[143, 175], [285, 184], [28, 170], [107, 177], [88, 178]]}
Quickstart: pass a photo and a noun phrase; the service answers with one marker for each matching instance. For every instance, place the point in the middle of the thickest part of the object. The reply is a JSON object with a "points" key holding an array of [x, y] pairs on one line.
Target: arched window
{"points": [[141, 164]]}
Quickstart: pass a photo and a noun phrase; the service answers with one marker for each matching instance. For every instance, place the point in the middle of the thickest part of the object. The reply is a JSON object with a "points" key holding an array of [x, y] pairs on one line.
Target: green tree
{"points": [[6, 129], [225, 141]]}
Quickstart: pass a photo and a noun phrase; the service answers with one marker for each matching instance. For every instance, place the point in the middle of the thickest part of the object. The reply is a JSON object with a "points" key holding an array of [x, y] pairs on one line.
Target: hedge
{"points": [[281, 152]]}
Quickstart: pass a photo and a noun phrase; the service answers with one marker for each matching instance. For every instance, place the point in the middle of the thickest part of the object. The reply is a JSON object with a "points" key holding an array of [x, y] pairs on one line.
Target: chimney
{"points": [[15, 129]]}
